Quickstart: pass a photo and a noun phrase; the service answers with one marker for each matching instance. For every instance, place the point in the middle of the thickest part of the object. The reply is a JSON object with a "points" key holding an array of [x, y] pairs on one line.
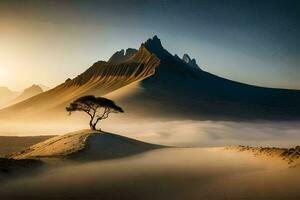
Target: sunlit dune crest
{"points": [[290, 155], [85, 145]]}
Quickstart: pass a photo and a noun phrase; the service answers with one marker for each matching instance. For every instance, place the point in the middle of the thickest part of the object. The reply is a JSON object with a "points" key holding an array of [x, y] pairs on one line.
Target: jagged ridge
{"points": [[101, 78]]}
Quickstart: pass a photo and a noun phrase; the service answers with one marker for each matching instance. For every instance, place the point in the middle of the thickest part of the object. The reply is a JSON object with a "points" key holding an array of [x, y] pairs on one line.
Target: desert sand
{"points": [[290, 155], [99, 165], [168, 173]]}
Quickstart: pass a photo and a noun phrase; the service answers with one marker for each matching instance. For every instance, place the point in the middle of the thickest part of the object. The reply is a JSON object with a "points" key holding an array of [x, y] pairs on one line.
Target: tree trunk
{"points": [[92, 126], [95, 125]]}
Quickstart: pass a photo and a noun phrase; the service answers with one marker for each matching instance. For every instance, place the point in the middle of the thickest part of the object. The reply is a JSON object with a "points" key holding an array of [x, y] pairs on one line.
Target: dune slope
{"points": [[85, 145]]}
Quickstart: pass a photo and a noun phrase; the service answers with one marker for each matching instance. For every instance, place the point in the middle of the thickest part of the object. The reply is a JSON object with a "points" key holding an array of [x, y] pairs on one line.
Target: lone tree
{"points": [[98, 108]]}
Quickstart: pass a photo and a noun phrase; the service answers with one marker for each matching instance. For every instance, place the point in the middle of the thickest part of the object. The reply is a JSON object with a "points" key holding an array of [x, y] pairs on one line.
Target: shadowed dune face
{"points": [[164, 174]]}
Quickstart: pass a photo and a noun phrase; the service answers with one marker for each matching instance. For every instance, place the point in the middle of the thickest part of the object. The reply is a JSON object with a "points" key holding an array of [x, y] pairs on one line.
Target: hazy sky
{"points": [[256, 42]]}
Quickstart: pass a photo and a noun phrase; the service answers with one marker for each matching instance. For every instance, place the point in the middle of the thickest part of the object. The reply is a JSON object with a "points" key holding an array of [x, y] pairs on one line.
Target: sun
{"points": [[2, 71], [3, 75]]}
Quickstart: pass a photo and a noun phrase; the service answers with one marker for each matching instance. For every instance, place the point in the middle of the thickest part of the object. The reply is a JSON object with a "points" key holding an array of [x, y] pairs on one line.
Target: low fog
{"points": [[210, 133], [175, 133]]}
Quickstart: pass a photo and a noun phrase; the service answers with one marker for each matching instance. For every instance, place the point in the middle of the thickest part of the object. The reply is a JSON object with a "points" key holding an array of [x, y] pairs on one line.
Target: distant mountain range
{"points": [[8, 97], [151, 82], [27, 93]]}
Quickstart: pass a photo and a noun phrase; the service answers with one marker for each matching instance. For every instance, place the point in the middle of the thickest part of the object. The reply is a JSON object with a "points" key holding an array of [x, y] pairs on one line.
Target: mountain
{"points": [[27, 93], [6, 95], [181, 91], [86, 145], [44, 87], [101, 78], [151, 82]]}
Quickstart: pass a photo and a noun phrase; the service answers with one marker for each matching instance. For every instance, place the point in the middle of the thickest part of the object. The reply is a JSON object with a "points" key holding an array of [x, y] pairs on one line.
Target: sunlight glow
{"points": [[2, 72]]}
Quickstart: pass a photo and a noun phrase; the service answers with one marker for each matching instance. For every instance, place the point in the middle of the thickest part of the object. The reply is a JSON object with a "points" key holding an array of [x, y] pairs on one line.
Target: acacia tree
{"points": [[98, 108]]}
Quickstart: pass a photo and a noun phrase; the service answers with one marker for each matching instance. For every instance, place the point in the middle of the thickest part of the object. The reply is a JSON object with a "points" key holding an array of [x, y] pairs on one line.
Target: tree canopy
{"points": [[98, 108]]}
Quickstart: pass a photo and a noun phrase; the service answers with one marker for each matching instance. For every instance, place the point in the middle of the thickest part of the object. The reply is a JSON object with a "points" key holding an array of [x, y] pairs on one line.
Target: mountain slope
{"points": [[151, 82], [101, 78], [179, 90]]}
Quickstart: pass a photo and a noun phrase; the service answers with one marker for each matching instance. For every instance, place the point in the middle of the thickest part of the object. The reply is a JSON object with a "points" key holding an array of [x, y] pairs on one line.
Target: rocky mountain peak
{"points": [[122, 55], [191, 62], [153, 42], [154, 46], [186, 58]]}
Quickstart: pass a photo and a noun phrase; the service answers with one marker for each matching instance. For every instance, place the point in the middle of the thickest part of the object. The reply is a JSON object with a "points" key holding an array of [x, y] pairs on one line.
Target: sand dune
{"points": [[117, 167], [85, 145]]}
